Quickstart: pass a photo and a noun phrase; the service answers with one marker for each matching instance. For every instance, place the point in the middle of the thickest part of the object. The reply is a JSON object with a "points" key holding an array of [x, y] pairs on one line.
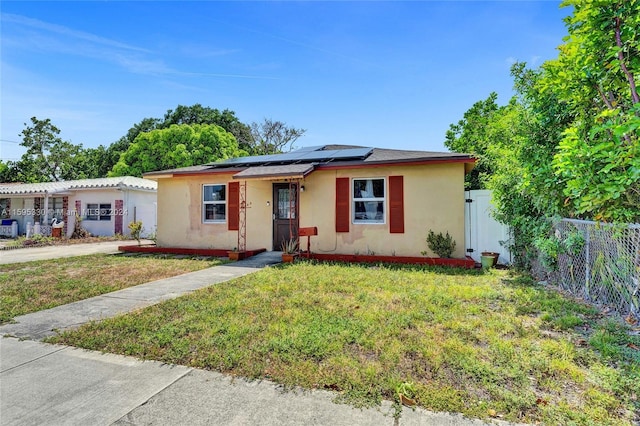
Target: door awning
{"points": [[288, 171]]}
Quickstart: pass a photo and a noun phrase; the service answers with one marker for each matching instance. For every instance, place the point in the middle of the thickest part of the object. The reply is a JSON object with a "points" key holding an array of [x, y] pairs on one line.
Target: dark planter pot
{"points": [[237, 255], [289, 257]]}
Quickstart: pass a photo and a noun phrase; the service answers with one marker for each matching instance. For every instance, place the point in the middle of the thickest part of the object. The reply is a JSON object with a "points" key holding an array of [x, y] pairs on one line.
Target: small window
{"points": [[368, 200], [214, 203], [98, 212], [55, 209], [5, 208]]}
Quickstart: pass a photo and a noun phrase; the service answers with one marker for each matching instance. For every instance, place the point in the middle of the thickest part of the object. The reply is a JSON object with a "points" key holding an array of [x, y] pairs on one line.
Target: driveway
{"points": [[56, 252]]}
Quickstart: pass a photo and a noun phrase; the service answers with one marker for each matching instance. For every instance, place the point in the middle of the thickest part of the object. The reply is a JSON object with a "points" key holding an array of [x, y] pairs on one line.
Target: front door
{"points": [[285, 213]]}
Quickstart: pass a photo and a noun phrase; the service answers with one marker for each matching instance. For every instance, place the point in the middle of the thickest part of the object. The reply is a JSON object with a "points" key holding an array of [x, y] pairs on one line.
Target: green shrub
{"points": [[442, 245], [136, 229]]}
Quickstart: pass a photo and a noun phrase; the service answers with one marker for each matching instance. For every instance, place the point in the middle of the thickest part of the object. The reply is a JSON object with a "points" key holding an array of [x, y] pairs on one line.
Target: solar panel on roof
{"points": [[337, 154], [309, 148], [303, 154]]}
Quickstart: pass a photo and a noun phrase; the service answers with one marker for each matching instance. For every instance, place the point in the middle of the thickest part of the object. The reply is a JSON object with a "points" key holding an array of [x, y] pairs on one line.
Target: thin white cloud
{"points": [[59, 29], [134, 59], [202, 51]]}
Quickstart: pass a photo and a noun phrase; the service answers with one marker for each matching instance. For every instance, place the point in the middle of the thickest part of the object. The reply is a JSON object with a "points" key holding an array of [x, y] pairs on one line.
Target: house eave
{"points": [[469, 163]]}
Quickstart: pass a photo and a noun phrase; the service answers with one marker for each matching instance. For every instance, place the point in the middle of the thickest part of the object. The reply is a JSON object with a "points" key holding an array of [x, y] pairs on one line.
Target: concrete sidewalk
{"points": [[56, 252], [55, 385], [50, 384]]}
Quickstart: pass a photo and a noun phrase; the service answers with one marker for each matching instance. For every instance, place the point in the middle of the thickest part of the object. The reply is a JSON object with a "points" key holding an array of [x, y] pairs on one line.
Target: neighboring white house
{"points": [[106, 206]]}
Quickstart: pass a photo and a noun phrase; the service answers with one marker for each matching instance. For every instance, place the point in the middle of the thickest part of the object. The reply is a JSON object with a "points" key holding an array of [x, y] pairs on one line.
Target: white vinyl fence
{"points": [[600, 263], [482, 231]]}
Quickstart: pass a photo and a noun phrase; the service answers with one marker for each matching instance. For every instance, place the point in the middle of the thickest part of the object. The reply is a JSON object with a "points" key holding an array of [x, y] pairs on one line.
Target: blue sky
{"points": [[384, 74]]}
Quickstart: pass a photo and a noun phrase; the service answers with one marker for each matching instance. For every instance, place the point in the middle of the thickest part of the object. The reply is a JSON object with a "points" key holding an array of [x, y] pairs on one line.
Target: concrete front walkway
{"points": [[50, 384], [56, 252]]}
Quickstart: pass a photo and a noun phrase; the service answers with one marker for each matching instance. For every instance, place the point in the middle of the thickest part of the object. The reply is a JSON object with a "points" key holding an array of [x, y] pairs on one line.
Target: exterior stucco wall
{"points": [[180, 221], [433, 199], [140, 202], [104, 196], [142, 206], [132, 199]]}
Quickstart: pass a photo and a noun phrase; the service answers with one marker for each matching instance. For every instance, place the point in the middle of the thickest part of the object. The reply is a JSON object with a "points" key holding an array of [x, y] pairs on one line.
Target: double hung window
{"points": [[369, 200], [214, 203]]}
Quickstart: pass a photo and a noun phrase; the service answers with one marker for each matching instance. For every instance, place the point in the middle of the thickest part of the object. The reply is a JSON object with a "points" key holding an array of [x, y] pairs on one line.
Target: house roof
{"points": [[325, 156], [124, 182], [290, 171]]}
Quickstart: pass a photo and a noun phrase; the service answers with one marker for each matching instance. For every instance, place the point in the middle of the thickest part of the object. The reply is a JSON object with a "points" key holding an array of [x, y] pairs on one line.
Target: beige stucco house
{"points": [[361, 200]]}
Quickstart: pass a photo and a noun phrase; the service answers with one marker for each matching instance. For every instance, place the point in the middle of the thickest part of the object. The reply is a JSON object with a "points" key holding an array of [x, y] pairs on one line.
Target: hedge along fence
{"points": [[600, 263]]}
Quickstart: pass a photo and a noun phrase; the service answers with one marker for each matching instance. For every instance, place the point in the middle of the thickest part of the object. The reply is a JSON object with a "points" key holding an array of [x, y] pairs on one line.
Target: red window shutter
{"points": [[342, 205], [396, 204], [233, 206]]}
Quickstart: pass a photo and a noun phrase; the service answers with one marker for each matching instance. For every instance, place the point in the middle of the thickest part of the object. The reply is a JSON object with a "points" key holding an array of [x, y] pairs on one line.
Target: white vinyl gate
{"points": [[482, 231]]}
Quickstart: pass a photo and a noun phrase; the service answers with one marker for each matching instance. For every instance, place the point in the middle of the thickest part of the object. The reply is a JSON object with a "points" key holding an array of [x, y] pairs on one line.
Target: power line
{"points": [[6, 140]]}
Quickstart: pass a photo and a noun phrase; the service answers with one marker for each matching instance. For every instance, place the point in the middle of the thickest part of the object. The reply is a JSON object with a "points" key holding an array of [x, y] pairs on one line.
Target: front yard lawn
{"points": [[486, 345], [33, 286]]}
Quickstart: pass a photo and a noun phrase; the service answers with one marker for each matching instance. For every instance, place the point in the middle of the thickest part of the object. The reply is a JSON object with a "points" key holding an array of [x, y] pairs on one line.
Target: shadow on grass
{"points": [[436, 269]]}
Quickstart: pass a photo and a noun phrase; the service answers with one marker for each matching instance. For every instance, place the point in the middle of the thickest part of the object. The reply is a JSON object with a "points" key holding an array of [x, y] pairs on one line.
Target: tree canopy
{"points": [[180, 145], [47, 158], [595, 74], [567, 143], [267, 137]]}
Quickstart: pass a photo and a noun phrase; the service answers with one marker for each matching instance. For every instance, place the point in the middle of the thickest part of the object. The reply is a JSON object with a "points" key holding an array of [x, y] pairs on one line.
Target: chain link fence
{"points": [[600, 263]]}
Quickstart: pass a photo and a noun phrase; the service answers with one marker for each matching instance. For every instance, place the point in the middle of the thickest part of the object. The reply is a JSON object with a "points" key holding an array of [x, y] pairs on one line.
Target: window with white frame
{"points": [[98, 212], [214, 203], [368, 200]]}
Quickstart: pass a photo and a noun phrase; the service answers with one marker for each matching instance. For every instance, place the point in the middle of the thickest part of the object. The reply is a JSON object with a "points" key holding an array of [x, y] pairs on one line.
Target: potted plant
{"points": [[493, 255], [289, 250], [235, 254]]}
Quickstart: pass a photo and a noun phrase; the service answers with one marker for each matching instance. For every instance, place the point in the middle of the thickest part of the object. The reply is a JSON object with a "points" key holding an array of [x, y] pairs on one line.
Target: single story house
{"points": [[106, 206], [361, 201]]}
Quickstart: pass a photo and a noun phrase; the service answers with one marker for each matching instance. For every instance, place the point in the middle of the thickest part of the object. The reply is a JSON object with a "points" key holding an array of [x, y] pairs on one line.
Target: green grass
{"points": [[480, 344], [33, 286]]}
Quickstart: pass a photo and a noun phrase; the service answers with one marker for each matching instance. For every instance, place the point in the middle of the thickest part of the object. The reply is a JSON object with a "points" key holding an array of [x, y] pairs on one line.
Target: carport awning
{"points": [[289, 171]]}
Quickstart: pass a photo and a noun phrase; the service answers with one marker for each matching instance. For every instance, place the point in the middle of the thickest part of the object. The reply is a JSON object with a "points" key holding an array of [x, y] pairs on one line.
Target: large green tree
{"points": [[112, 152], [182, 114], [47, 156], [473, 135], [6, 171], [176, 146], [596, 75], [567, 143], [197, 114]]}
